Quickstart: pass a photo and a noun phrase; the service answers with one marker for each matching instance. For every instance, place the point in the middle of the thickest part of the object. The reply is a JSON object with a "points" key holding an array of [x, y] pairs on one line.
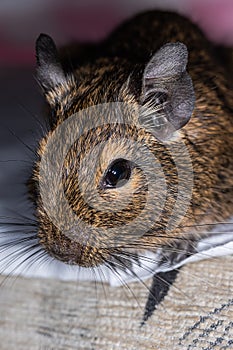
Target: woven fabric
{"points": [[197, 313]]}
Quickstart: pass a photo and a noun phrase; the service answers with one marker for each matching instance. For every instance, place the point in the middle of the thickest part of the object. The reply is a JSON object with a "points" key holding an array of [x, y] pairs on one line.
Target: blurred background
{"points": [[21, 21], [21, 104]]}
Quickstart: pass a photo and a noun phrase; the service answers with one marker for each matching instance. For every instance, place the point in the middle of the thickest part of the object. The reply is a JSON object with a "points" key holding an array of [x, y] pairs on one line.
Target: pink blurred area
{"points": [[215, 17], [90, 20]]}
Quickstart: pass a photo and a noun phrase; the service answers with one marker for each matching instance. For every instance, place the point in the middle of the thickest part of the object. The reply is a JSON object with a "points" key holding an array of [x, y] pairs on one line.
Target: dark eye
{"points": [[117, 174]]}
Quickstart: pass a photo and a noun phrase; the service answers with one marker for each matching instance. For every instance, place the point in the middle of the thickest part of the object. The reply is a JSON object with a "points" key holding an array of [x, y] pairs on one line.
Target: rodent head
{"points": [[106, 181]]}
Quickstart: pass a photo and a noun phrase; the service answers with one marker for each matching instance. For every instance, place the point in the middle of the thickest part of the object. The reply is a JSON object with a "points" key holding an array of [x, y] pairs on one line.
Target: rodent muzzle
{"points": [[72, 252]]}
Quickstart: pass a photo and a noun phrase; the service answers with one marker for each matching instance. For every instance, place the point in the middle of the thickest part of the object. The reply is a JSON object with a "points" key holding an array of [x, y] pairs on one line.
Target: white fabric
{"points": [[219, 243]]}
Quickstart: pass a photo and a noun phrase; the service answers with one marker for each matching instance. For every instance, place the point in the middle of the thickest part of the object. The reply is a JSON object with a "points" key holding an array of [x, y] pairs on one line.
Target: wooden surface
{"points": [[48, 314]]}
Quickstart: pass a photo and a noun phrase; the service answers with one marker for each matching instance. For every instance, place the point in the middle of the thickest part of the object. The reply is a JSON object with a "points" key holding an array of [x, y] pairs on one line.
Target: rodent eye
{"points": [[117, 174]]}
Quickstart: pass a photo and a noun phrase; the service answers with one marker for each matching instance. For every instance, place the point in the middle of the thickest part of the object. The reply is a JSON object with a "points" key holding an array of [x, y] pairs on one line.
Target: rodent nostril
{"points": [[117, 174]]}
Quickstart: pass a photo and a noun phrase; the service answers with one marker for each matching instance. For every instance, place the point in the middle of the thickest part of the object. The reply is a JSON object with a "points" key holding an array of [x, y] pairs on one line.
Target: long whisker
{"points": [[164, 281], [18, 219], [207, 224], [137, 278], [23, 251], [160, 286], [101, 274], [121, 280], [16, 161], [21, 224], [43, 127], [32, 151], [35, 257], [148, 259]]}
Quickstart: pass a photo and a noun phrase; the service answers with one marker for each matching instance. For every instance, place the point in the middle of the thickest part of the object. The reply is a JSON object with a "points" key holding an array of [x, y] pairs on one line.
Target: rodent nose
{"points": [[74, 253], [87, 256], [82, 251]]}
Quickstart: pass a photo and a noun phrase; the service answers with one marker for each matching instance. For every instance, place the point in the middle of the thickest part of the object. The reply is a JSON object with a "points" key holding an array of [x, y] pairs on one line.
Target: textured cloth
{"points": [[197, 313]]}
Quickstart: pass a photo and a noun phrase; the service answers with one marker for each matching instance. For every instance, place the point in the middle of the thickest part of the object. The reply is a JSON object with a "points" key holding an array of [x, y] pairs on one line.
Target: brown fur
{"points": [[104, 77]]}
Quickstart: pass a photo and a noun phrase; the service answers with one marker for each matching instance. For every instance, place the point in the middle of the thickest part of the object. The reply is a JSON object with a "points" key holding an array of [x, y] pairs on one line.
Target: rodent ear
{"points": [[49, 69], [168, 90]]}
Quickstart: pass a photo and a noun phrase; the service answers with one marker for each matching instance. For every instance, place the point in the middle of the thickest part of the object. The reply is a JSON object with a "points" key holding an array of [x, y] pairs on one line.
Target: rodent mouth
{"points": [[74, 253], [86, 257]]}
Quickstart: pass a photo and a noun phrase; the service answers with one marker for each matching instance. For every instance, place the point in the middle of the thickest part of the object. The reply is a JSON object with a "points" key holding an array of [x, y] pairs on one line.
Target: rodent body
{"points": [[126, 68]]}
